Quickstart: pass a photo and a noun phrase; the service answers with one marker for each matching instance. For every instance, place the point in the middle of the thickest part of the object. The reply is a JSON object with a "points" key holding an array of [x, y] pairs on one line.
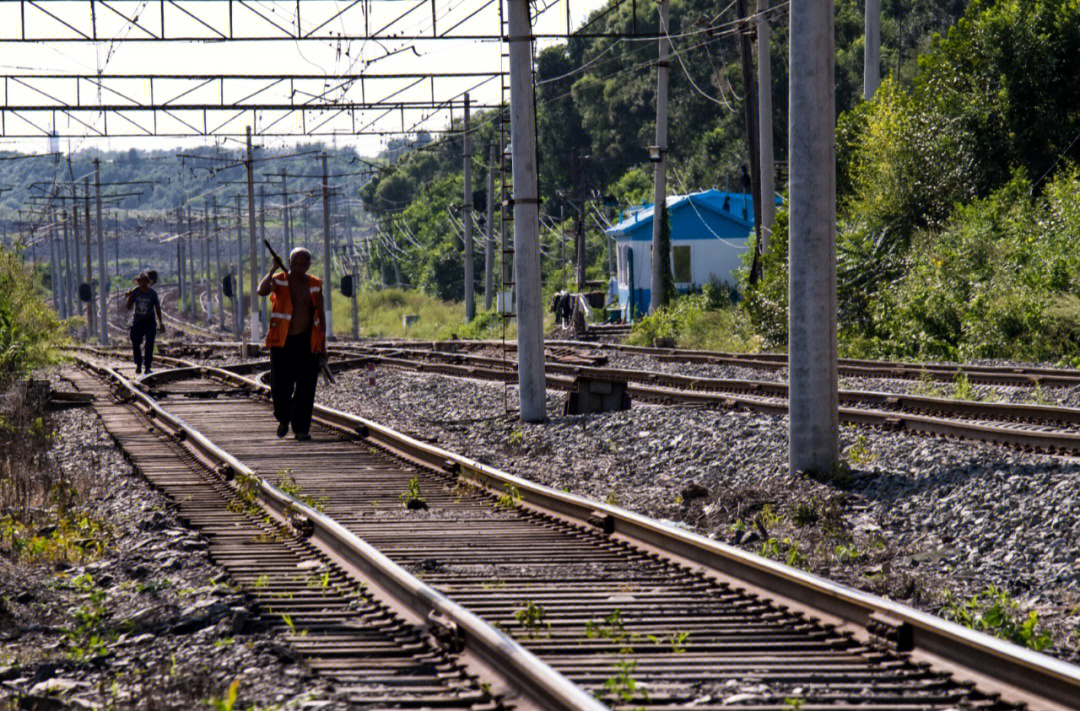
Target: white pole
{"points": [[813, 427], [531, 382], [656, 298], [466, 218], [767, 209], [102, 277], [872, 49], [328, 286], [489, 253], [253, 253]]}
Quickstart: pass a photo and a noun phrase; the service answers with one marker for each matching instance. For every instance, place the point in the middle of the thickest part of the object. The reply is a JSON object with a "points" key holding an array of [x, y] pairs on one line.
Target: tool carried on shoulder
{"points": [[323, 365]]}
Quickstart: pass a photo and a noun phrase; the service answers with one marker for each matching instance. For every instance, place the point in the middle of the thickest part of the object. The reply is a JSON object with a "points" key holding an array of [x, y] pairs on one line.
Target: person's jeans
{"points": [[142, 341], [294, 372]]}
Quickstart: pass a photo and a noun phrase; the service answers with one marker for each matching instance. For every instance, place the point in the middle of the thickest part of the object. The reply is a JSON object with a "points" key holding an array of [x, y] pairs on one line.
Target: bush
{"points": [[30, 330], [693, 325]]}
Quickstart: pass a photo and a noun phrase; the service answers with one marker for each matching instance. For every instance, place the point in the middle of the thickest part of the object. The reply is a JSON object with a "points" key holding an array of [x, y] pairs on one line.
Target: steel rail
{"points": [[1021, 675], [849, 367], [528, 673]]}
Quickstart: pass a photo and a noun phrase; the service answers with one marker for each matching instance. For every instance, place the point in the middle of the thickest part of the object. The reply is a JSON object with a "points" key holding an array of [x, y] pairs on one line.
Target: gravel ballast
{"points": [[151, 622], [912, 518]]}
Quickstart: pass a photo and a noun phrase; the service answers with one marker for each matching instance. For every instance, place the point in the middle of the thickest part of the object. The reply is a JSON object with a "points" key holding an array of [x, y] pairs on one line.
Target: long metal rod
{"points": [[767, 209], [489, 252]]}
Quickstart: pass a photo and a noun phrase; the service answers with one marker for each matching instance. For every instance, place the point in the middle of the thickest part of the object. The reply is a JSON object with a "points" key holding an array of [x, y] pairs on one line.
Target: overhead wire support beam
{"points": [[243, 20]]}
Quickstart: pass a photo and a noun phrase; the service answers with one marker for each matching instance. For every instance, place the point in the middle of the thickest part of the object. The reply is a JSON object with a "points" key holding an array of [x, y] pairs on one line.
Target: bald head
{"points": [[299, 261]]}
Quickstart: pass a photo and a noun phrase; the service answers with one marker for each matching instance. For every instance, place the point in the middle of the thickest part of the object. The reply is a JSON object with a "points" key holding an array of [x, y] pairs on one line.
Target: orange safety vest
{"points": [[281, 310]]}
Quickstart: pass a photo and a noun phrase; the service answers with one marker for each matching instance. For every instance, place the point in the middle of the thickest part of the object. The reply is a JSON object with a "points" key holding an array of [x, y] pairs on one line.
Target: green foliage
{"points": [[30, 331], [380, 314], [667, 280], [88, 638], [622, 684], [995, 612], [690, 321], [510, 499], [412, 492], [228, 703], [532, 617]]}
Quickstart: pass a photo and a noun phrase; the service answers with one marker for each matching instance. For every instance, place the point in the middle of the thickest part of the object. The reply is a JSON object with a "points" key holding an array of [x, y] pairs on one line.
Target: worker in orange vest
{"points": [[297, 341]]}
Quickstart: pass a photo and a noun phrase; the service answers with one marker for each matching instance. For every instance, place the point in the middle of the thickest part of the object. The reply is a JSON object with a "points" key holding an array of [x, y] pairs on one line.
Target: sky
{"points": [[323, 58]]}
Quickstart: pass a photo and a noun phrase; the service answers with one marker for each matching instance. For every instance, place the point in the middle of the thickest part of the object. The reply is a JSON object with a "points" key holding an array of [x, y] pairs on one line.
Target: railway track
{"points": [[1042, 428], [640, 613], [1016, 376]]}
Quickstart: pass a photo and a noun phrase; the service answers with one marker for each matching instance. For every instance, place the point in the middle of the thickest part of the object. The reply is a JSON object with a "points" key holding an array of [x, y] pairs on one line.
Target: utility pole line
{"points": [[264, 258], [207, 274], [90, 322], [78, 256], [238, 286], [813, 440], [531, 382], [657, 296], [116, 241], [286, 241], [562, 246], [180, 281], [489, 253], [69, 308], [355, 274], [328, 282], [193, 274], [751, 122], [55, 276], [102, 278], [466, 218], [217, 270], [872, 49], [767, 209], [253, 254]]}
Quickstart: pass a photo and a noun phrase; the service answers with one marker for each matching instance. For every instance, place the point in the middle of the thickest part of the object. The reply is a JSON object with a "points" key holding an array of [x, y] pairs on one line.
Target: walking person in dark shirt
{"points": [[143, 302], [296, 340]]}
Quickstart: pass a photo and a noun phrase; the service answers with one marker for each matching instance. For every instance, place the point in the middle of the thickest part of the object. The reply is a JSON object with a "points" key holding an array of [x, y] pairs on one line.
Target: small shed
{"points": [[710, 233]]}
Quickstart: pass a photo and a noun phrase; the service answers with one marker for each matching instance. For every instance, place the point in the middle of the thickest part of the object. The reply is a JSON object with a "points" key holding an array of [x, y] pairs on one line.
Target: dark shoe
{"points": [[302, 437], [283, 429], [148, 370], [138, 370]]}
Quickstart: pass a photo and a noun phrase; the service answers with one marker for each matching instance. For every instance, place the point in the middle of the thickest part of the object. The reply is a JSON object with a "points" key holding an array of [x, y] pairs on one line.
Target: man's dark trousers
{"points": [[294, 370], [139, 331]]}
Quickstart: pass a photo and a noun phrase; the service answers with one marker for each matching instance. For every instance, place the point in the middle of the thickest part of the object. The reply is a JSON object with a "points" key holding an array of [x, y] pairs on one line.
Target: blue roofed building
{"points": [[710, 233]]}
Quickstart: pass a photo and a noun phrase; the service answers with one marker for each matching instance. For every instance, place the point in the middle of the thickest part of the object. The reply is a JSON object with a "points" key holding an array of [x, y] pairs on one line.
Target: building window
{"points": [[623, 272], [680, 264]]}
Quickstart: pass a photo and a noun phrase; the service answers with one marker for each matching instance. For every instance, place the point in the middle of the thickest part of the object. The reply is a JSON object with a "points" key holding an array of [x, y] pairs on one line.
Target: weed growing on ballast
{"points": [[995, 612], [531, 617], [622, 684], [411, 496], [510, 499]]}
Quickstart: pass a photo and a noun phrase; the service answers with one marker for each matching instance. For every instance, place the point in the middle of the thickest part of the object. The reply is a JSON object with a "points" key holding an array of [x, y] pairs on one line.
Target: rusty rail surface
{"points": [[453, 625], [603, 595]]}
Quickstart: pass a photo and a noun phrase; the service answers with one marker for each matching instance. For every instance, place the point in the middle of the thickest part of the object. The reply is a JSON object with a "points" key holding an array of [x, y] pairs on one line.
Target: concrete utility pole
{"points": [[238, 285], [116, 241], [489, 253], [193, 274], [89, 264], [207, 273], [217, 270], [750, 110], [264, 258], [767, 210], [531, 382], [78, 256], [466, 217], [253, 253], [55, 276], [286, 241], [813, 443], [872, 49], [181, 284], [355, 273], [657, 297], [562, 246], [68, 306], [102, 277], [328, 282]]}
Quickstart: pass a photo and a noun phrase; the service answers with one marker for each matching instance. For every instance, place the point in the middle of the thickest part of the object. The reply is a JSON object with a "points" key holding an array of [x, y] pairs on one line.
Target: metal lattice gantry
{"points": [[181, 106]]}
